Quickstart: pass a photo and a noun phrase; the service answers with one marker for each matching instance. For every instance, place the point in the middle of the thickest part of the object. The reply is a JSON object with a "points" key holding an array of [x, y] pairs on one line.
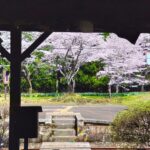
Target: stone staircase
{"points": [[64, 132], [60, 127], [64, 128]]}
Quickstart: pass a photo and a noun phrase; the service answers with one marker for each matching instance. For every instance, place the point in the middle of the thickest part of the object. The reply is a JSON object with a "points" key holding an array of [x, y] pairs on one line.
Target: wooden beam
{"points": [[129, 13], [29, 50], [15, 92], [130, 36], [4, 52]]}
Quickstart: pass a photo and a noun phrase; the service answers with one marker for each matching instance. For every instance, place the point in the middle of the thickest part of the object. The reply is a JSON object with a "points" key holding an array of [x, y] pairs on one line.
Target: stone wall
{"points": [[94, 133]]}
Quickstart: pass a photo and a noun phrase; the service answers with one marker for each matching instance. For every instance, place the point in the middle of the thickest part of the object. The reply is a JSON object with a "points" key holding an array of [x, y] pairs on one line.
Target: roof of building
{"points": [[127, 17]]}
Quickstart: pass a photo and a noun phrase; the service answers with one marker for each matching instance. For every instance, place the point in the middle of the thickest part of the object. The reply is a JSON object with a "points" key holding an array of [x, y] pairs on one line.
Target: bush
{"points": [[133, 125]]}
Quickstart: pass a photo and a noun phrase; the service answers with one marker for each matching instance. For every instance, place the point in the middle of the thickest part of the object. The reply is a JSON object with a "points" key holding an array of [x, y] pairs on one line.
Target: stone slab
{"points": [[65, 146]]}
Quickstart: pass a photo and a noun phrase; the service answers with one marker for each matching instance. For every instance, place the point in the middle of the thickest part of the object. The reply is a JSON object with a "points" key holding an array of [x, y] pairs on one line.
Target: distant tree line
{"points": [[81, 63], [44, 79]]}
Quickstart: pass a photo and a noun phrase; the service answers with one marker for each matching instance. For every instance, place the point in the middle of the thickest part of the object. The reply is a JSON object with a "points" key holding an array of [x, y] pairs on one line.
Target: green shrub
{"points": [[133, 125]]}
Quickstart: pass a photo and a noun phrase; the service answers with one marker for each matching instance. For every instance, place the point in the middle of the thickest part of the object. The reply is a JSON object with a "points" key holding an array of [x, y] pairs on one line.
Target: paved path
{"points": [[91, 113]]}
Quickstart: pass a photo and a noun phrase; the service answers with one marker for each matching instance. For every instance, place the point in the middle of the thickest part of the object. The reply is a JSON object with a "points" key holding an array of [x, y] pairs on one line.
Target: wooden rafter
{"points": [[30, 49], [4, 53]]}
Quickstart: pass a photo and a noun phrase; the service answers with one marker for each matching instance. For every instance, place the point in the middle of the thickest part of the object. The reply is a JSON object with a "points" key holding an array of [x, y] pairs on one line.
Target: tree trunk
{"points": [[73, 85], [109, 90], [29, 82], [117, 88], [69, 88], [30, 86], [57, 85], [142, 88], [28, 79]]}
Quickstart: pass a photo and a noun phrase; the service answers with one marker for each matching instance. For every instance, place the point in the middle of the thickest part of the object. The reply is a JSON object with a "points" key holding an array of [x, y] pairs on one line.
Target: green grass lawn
{"points": [[127, 100], [80, 99]]}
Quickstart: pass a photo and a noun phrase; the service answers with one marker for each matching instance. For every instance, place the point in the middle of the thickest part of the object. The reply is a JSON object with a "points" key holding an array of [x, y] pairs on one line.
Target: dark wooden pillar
{"points": [[15, 94]]}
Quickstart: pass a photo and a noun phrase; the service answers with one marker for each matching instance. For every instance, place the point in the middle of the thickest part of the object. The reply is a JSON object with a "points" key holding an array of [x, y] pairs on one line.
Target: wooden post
{"points": [[25, 143], [15, 93], [16, 57]]}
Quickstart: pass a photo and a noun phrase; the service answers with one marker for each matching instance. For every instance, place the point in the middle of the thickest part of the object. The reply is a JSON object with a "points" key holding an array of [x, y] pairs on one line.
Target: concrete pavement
{"points": [[103, 114]]}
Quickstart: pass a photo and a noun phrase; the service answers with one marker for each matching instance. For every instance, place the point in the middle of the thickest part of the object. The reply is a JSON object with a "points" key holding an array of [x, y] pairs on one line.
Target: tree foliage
{"points": [[37, 75], [86, 79], [124, 61]]}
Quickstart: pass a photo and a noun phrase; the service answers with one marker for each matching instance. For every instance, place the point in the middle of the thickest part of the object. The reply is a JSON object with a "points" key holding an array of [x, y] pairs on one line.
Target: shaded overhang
{"points": [[64, 15], [127, 18]]}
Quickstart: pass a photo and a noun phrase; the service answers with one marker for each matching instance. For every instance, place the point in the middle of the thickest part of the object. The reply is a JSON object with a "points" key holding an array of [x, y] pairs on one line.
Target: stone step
{"points": [[63, 125], [64, 121], [65, 149], [63, 116], [50, 120], [63, 132], [65, 146], [63, 138]]}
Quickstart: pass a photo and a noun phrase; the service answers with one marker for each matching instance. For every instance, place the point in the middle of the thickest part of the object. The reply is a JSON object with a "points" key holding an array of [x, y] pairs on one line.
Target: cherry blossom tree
{"points": [[27, 39], [68, 51], [124, 65], [68, 62]]}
